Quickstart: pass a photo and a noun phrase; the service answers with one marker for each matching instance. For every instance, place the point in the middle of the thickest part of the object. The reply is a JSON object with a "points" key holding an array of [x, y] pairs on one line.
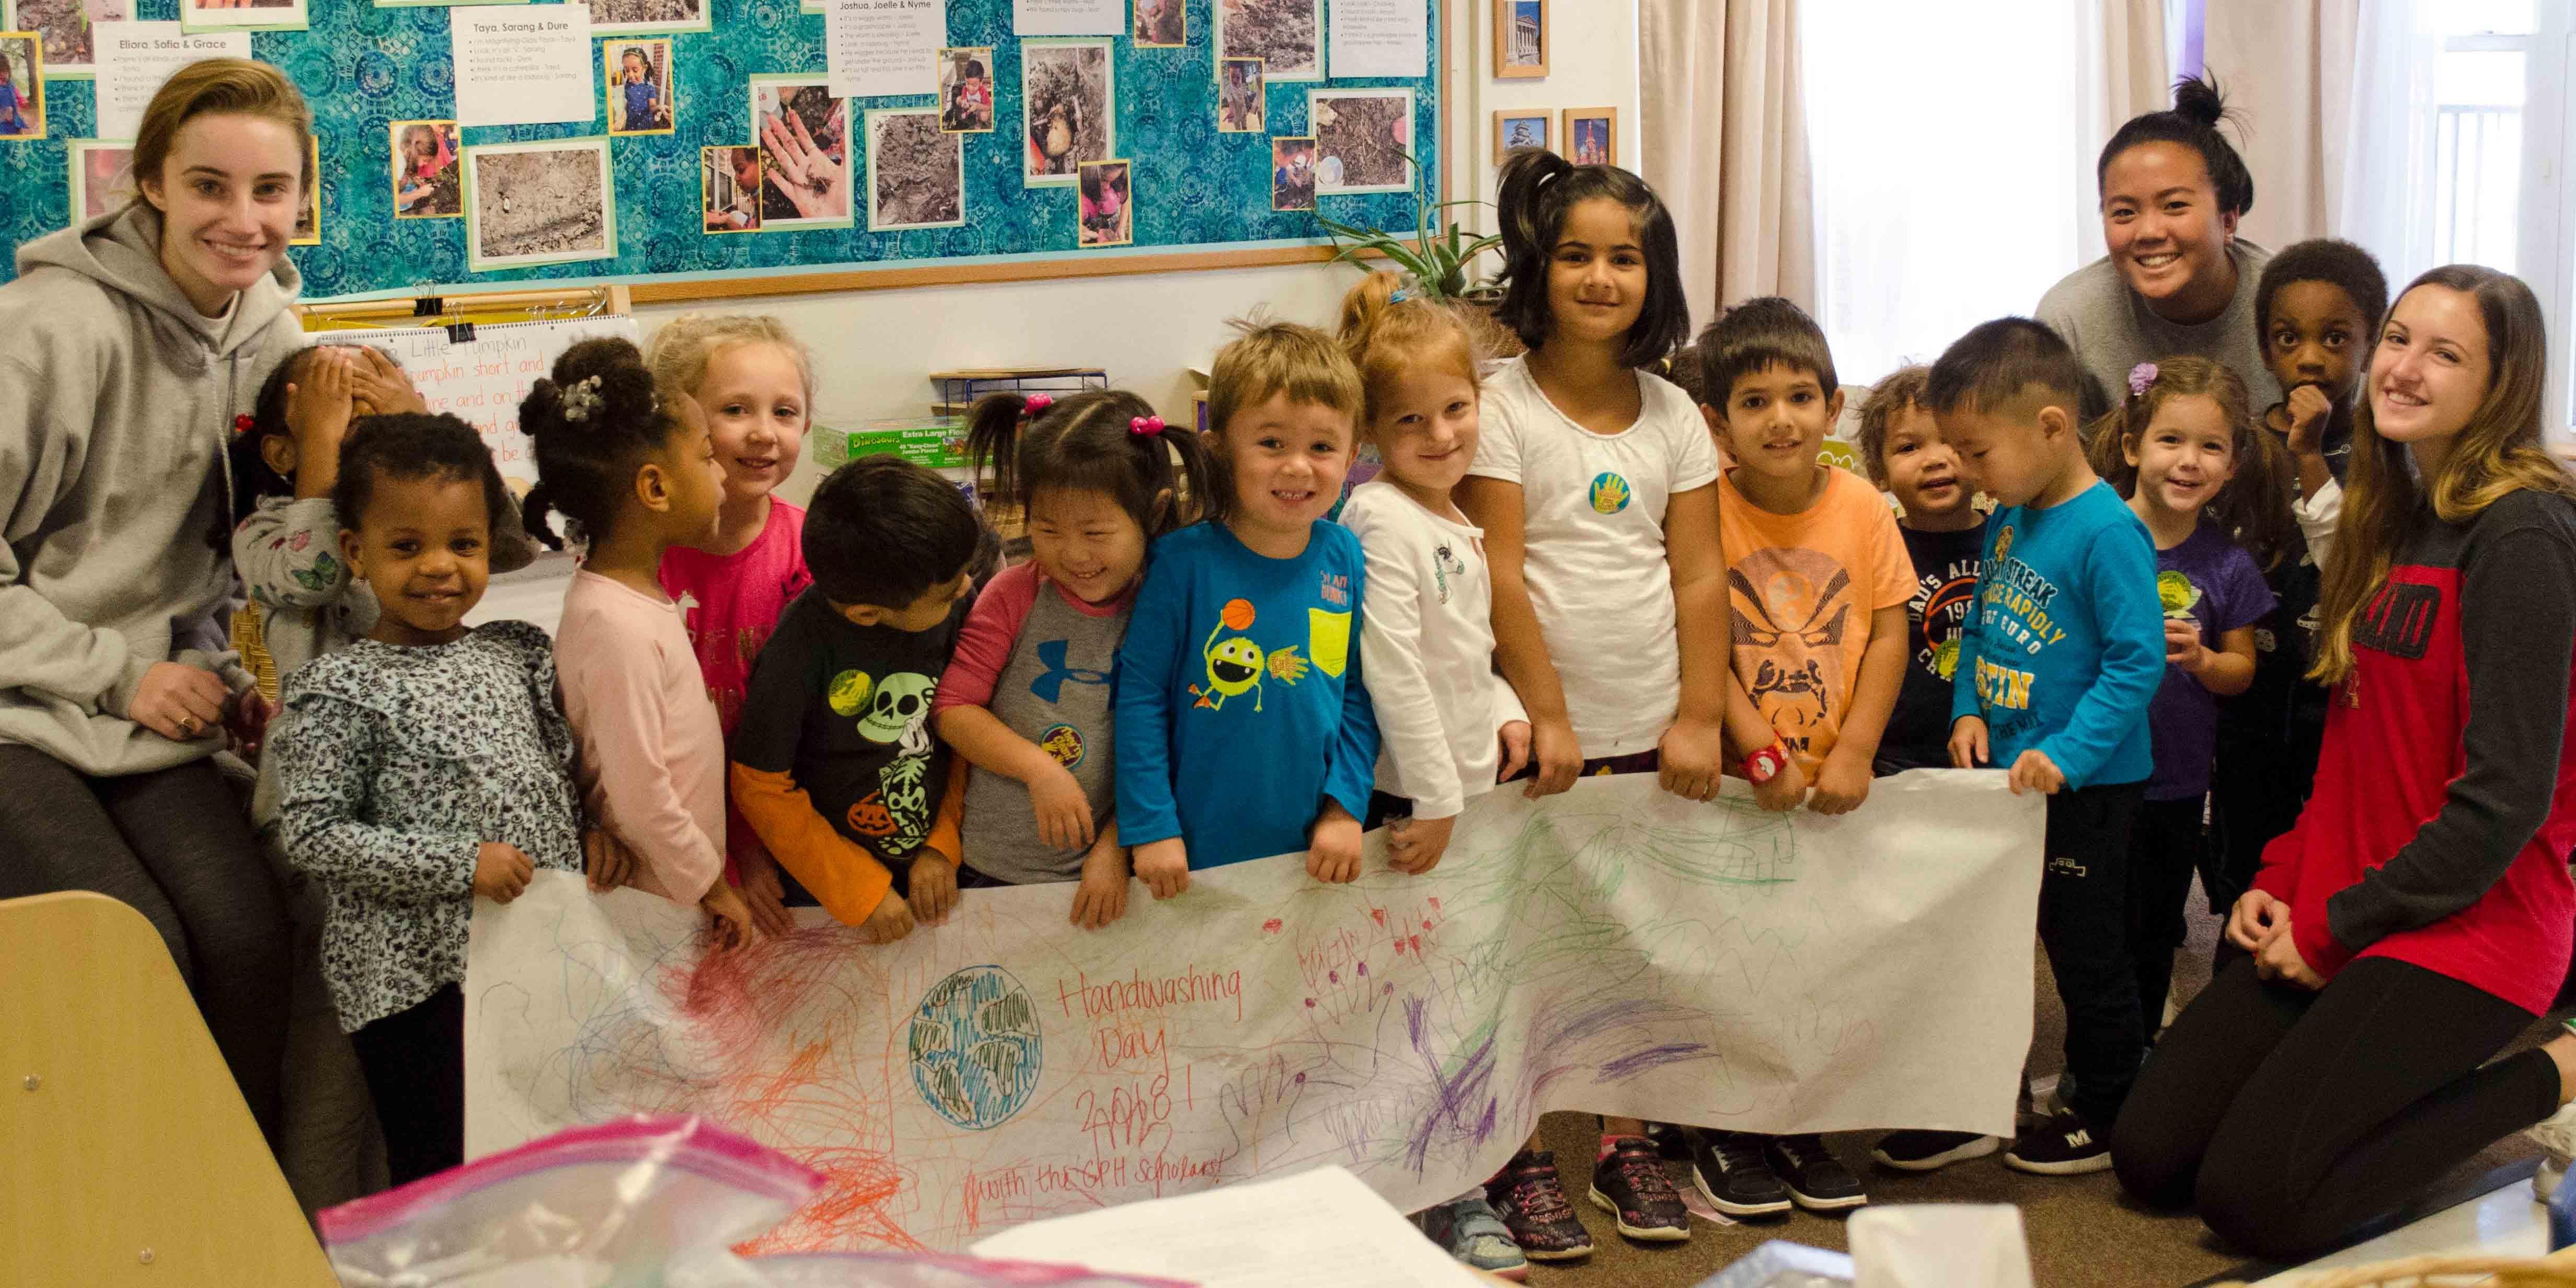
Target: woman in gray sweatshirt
{"points": [[137, 338]]}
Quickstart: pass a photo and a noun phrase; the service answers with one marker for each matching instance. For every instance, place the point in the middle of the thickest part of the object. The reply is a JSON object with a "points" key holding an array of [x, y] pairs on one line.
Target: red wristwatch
{"points": [[1764, 765]]}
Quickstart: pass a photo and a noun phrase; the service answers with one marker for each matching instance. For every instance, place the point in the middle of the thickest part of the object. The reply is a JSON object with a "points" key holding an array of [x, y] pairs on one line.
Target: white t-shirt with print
{"points": [[1592, 514]]}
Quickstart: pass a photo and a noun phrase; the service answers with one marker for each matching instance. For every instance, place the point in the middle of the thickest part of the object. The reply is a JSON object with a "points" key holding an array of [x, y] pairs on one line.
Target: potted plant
{"points": [[1439, 263]]}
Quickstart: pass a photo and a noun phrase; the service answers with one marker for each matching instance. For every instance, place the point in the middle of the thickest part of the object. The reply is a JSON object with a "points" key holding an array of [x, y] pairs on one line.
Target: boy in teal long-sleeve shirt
{"points": [[2059, 658]]}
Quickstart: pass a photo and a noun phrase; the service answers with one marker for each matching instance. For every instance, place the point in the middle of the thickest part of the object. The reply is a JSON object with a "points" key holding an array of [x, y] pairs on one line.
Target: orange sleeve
{"points": [[946, 835], [842, 876]]}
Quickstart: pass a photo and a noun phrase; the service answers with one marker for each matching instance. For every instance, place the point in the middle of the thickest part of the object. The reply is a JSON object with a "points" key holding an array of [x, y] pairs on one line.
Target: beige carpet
{"points": [[2082, 1230]]}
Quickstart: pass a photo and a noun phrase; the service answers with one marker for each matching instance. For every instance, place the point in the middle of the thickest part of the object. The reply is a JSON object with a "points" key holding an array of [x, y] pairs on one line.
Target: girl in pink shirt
{"points": [[634, 471], [756, 386]]}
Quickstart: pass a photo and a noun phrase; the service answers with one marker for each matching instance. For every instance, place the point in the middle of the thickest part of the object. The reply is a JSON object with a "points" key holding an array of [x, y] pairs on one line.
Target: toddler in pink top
{"points": [[634, 470], [756, 386]]}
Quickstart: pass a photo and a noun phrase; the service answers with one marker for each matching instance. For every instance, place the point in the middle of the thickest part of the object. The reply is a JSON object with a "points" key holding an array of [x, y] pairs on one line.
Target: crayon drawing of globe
{"points": [[975, 1047]]}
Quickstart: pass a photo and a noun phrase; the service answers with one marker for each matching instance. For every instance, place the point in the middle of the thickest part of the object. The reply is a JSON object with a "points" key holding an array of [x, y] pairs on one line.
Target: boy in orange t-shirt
{"points": [[1817, 580]]}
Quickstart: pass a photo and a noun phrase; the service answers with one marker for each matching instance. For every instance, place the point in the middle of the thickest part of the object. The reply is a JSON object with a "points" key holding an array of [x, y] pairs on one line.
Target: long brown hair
{"points": [[2498, 453], [219, 86], [2253, 507]]}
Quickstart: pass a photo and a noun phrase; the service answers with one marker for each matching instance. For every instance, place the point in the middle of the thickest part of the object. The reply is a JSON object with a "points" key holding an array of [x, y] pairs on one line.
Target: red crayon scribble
{"points": [[1379, 914], [1270, 927]]}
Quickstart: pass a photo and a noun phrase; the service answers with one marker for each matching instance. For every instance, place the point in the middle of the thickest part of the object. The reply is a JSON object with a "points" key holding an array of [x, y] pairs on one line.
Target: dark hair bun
{"points": [[2192, 122], [2199, 99]]}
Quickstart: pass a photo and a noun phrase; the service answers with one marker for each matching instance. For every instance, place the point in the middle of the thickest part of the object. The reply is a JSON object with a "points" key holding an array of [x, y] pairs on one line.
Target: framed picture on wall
{"points": [[1520, 129], [102, 177], [1592, 135], [1520, 39]]}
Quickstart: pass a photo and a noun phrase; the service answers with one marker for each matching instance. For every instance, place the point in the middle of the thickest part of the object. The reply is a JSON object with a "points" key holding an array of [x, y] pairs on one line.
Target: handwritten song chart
{"points": [[526, 65], [884, 48], [483, 380], [1613, 949]]}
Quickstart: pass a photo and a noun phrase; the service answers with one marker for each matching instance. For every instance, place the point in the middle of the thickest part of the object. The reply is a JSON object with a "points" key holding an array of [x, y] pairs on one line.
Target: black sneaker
{"points": [[1730, 1172], [1629, 1183], [2061, 1145], [1816, 1179], [1925, 1151], [1530, 1198]]}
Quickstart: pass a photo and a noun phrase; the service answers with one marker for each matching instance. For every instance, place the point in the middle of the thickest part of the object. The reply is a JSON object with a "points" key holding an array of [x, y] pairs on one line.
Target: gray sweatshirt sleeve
{"points": [[41, 649]]}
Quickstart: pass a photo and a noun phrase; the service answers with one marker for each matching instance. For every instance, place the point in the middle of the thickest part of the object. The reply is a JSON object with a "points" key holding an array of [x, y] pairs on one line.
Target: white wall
{"points": [[1593, 63]]}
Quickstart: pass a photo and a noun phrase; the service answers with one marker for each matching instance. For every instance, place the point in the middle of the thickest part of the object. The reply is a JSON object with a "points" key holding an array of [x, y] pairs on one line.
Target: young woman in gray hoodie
{"points": [[139, 337]]}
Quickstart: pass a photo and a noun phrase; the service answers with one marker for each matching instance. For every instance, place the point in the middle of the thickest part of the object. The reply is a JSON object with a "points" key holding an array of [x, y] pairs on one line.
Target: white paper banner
{"points": [[1378, 38], [1070, 17], [883, 48], [1614, 949], [524, 65], [135, 58]]}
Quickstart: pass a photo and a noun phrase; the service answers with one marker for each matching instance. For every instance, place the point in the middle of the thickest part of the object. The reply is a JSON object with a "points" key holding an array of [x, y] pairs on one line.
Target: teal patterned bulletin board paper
{"points": [[364, 67]]}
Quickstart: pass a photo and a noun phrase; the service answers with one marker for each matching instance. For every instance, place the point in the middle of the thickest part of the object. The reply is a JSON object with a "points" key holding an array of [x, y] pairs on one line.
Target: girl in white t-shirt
{"points": [[1449, 728], [1595, 485]]}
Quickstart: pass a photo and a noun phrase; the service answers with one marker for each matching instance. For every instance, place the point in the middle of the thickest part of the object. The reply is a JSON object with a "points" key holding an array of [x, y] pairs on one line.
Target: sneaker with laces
{"points": [[2061, 1145], [1817, 1180], [1729, 1170], [1530, 1198], [1468, 1229], [1629, 1183], [1925, 1151], [2556, 1135]]}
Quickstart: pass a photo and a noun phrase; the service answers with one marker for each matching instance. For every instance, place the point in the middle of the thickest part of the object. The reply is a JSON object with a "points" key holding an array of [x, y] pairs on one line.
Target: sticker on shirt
{"points": [[1064, 743], [1237, 664], [899, 713], [1049, 685], [1791, 607], [2177, 593], [1610, 493]]}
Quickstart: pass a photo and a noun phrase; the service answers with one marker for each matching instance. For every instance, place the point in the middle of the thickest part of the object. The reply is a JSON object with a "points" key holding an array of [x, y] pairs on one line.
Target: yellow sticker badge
{"points": [[1609, 493], [849, 692]]}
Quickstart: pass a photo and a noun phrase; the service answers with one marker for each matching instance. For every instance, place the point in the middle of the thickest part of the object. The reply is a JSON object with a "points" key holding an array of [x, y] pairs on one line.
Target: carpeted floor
{"points": [[2082, 1230]]}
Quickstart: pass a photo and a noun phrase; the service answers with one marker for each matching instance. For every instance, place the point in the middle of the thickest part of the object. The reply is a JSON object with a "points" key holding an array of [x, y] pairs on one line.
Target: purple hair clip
{"points": [[2141, 376], [1037, 403], [1145, 426]]}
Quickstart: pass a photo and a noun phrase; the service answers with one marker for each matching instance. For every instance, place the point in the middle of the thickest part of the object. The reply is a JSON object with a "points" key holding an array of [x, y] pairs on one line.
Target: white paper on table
{"points": [[1069, 17], [135, 58], [526, 65], [1320, 1227], [1378, 38], [884, 48]]}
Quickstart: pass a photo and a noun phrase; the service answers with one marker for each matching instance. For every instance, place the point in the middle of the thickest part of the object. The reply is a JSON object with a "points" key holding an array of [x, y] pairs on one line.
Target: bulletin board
{"points": [[1201, 197]]}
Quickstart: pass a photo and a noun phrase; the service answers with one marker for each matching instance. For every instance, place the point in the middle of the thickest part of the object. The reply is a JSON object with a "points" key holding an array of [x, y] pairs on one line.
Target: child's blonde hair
{"points": [[2495, 455], [2254, 506], [685, 345], [1389, 331], [1268, 359]]}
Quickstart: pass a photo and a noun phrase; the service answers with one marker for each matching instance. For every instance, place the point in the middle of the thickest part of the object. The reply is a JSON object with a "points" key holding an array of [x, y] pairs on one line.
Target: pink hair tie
{"points": [[1145, 426], [2141, 376], [1037, 403]]}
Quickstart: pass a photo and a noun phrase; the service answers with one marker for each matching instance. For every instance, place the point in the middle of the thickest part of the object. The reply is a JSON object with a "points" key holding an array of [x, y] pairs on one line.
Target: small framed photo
{"points": [[729, 189], [1292, 173], [1592, 135], [1108, 205], [644, 17], [1520, 39], [805, 152], [66, 30], [1242, 97], [308, 221], [639, 77], [22, 85], [102, 178], [966, 90], [1068, 108], [1287, 35], [1521, 130], [548, 202], [1362, 140], [428, 183], [1162, 24], [241, 15], [916, 171]]}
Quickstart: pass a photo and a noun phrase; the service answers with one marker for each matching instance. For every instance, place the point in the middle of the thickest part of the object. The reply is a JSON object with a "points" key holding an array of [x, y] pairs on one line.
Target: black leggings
{"points": [[175, 845], [415, 1065], [2163, 852], [2292, 1118]]}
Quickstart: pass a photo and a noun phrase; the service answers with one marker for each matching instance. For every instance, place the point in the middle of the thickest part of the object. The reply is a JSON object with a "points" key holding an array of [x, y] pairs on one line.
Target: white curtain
{"points": [[2288, 66], [1954, 159], [1726, 145], [2390, 178]]}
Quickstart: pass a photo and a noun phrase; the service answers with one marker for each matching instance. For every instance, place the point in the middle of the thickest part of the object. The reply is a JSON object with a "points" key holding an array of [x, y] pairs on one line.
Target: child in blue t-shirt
{"points": [[1243, 729], [639, 89], [2057, 664]]}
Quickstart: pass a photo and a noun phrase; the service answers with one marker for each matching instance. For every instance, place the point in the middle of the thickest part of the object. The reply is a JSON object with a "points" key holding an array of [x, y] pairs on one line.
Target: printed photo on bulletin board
{"points": [[427, 181], [729, 189], [1286, 35], [1108, 204], [645, 17], [804, 153], [638, 74], [916, 171], [241, 15], [308, 221], [1292, 173], [1068, 108], [66, 30], [539, 203], [1362, 137], [966, 90], [102, 178], [22, 89], [1242, 97], [1163, 24]]}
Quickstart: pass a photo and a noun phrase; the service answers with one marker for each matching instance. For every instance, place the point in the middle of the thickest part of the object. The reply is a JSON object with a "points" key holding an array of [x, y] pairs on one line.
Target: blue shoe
{"points": [[1467, 1229]]}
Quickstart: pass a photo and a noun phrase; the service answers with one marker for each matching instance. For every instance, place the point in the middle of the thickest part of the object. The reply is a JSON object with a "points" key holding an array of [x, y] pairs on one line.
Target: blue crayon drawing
{"points": [[975, 1047]]}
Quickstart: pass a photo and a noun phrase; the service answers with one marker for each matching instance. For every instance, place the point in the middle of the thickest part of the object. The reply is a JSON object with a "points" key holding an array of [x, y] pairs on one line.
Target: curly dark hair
{"points": [[2336, 263], [413, 445], [1538, 189], [591, 437]]}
